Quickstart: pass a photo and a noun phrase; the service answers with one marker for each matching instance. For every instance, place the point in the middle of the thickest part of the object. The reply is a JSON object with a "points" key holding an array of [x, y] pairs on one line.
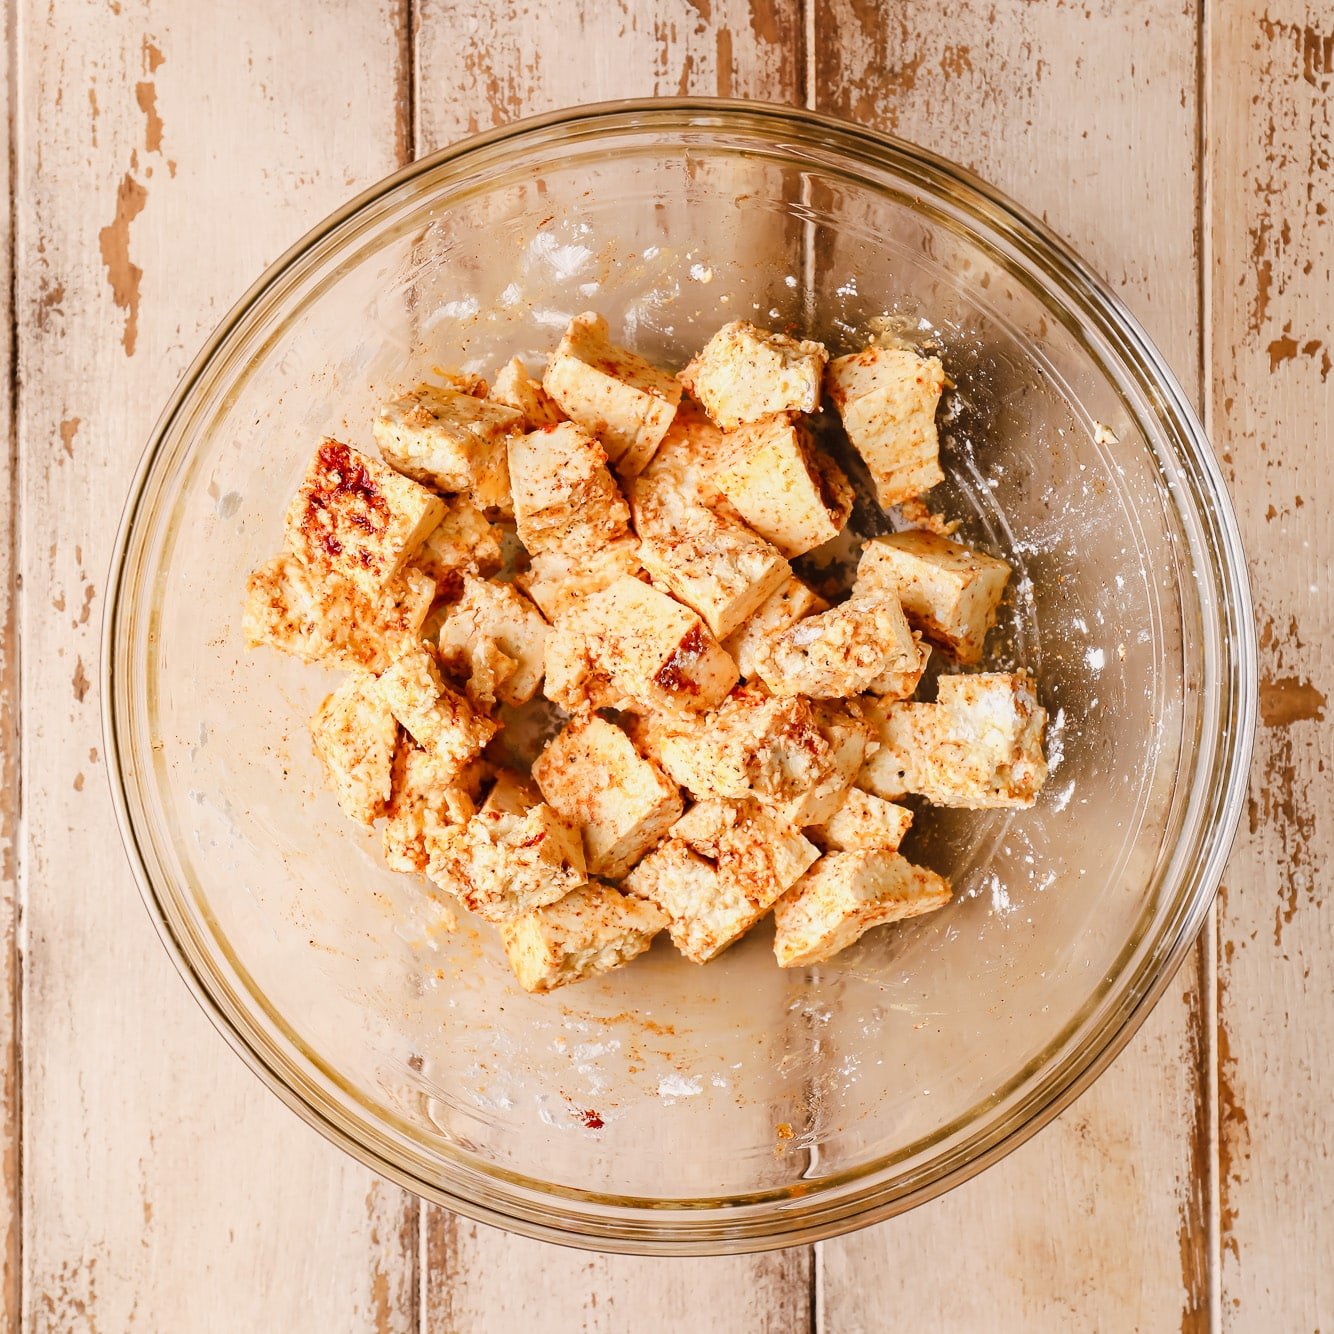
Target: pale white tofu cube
{"points": [[464, 542], [357, 520], [742, 835], [908, 735], [559, 581], [678, 479], [355, 735], [783, 486], [904, 675], [843, 896], [887, 398], [451, 441], [863, 822], [437, 719], [564, 497], [517, 389], [321, 618], [424, 802], [622, 803], [948, 591], [491, 622], [744, 373], [839, 652], [592, 930], [511, 794], [612, 393], [850, 735], [786, 605]]}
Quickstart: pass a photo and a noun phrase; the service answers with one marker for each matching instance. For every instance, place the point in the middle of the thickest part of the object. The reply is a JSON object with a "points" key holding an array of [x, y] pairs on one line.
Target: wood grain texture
{"points": [[1271, 403], [1086, 113], [165, 153]]}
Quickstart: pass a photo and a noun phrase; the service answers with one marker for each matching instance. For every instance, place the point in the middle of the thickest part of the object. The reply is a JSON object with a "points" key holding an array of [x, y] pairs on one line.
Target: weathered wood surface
{"points": [[160, 1185]]}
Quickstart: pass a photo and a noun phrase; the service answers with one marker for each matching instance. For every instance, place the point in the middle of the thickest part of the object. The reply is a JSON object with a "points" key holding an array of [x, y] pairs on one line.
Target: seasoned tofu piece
{"points": [[558, 581], [623, 803], [741, 835], [743, 373], [863, 823], [323, 619], [517, 389], [902, 678], [357, 520], [464, 542], [850, 735], [948, 591], [843, 896], [354, 735], [434, 716], [493, 624], [839, 652], [753, 745], [511, 794], [424, 802], [592, 930], [783, 486], [450, 440], [564, 497], [632, 646], [613, 394], [979, 746], [786, 605], [887, 398], [678, 478]]}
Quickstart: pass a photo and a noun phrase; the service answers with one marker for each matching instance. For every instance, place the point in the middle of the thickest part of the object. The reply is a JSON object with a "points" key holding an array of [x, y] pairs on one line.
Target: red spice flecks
{"points": [[591, 1119], [672, 674]]}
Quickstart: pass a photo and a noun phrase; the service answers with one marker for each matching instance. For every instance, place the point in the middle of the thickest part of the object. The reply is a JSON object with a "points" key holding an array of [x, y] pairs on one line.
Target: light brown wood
{"points": [[1087, 115], [1271, 404], [165, 153]]}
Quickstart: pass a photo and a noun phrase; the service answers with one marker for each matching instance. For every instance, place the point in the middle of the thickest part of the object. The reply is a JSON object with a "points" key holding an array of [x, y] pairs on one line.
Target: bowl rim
{"points": [[784, 1221]]}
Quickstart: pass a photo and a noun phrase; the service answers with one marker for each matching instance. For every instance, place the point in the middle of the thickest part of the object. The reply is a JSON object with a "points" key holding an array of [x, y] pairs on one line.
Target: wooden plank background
{"points": [[161, 155]]}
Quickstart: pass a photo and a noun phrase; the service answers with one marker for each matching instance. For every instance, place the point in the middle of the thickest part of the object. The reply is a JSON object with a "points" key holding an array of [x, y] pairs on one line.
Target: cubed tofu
{"points": [[850, 735], [517, 389], [424, 802], [502, 864], [559, 581], [623, 803], [511, 794], [434, 716], [839, 652], [324, 619], [564, 497], [743, 373], [632, 646], [887, 398], [592, 930], [786, 605], [613, 394], [354, 735], [904, 675], [741, 835], [843, 896], [979, 746], [783, 486], [753, 745], [678, 478], [357, 520], [464, 542], [863, 823], [490, 616], [451, 441], [948, 591]]}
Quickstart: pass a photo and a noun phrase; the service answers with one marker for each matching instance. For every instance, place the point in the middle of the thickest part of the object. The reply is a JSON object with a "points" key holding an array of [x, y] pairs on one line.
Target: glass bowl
{"points": [[667, 1107]]}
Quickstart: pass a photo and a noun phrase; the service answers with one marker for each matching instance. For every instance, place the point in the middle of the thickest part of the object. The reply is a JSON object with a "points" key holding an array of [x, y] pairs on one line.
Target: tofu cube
{"points": [[742, 835], [632, 646], [355, 735], [948, 591], [678, 479], [592, 930], [424, 802], [909, 736], [451, 441], [843, 896], [511, 794], [517, 389], [358, 520], [434, 716], [785, 488], [902, 678], [564, 497], [623, 803], [492, 621], [863, 823], [324, 619], [887, 398], [559, 581], [613, 394], [839, 652], [743, 373], [464, 542], [850, 736], [786, 605]]}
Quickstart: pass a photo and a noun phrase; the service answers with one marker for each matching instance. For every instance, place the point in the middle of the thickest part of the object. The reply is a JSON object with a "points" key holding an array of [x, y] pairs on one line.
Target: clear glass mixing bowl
{"points": [[669, 1107]]}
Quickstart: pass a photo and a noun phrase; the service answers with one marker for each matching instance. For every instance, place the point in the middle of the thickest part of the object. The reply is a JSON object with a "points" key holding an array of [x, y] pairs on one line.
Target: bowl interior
{"points": [[665, 1083]]}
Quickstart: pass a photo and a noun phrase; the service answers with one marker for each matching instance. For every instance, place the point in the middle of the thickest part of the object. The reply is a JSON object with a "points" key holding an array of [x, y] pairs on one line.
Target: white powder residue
{"points": [[701, 273], [564, 261], [1096, 659], [678, 1086]]}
